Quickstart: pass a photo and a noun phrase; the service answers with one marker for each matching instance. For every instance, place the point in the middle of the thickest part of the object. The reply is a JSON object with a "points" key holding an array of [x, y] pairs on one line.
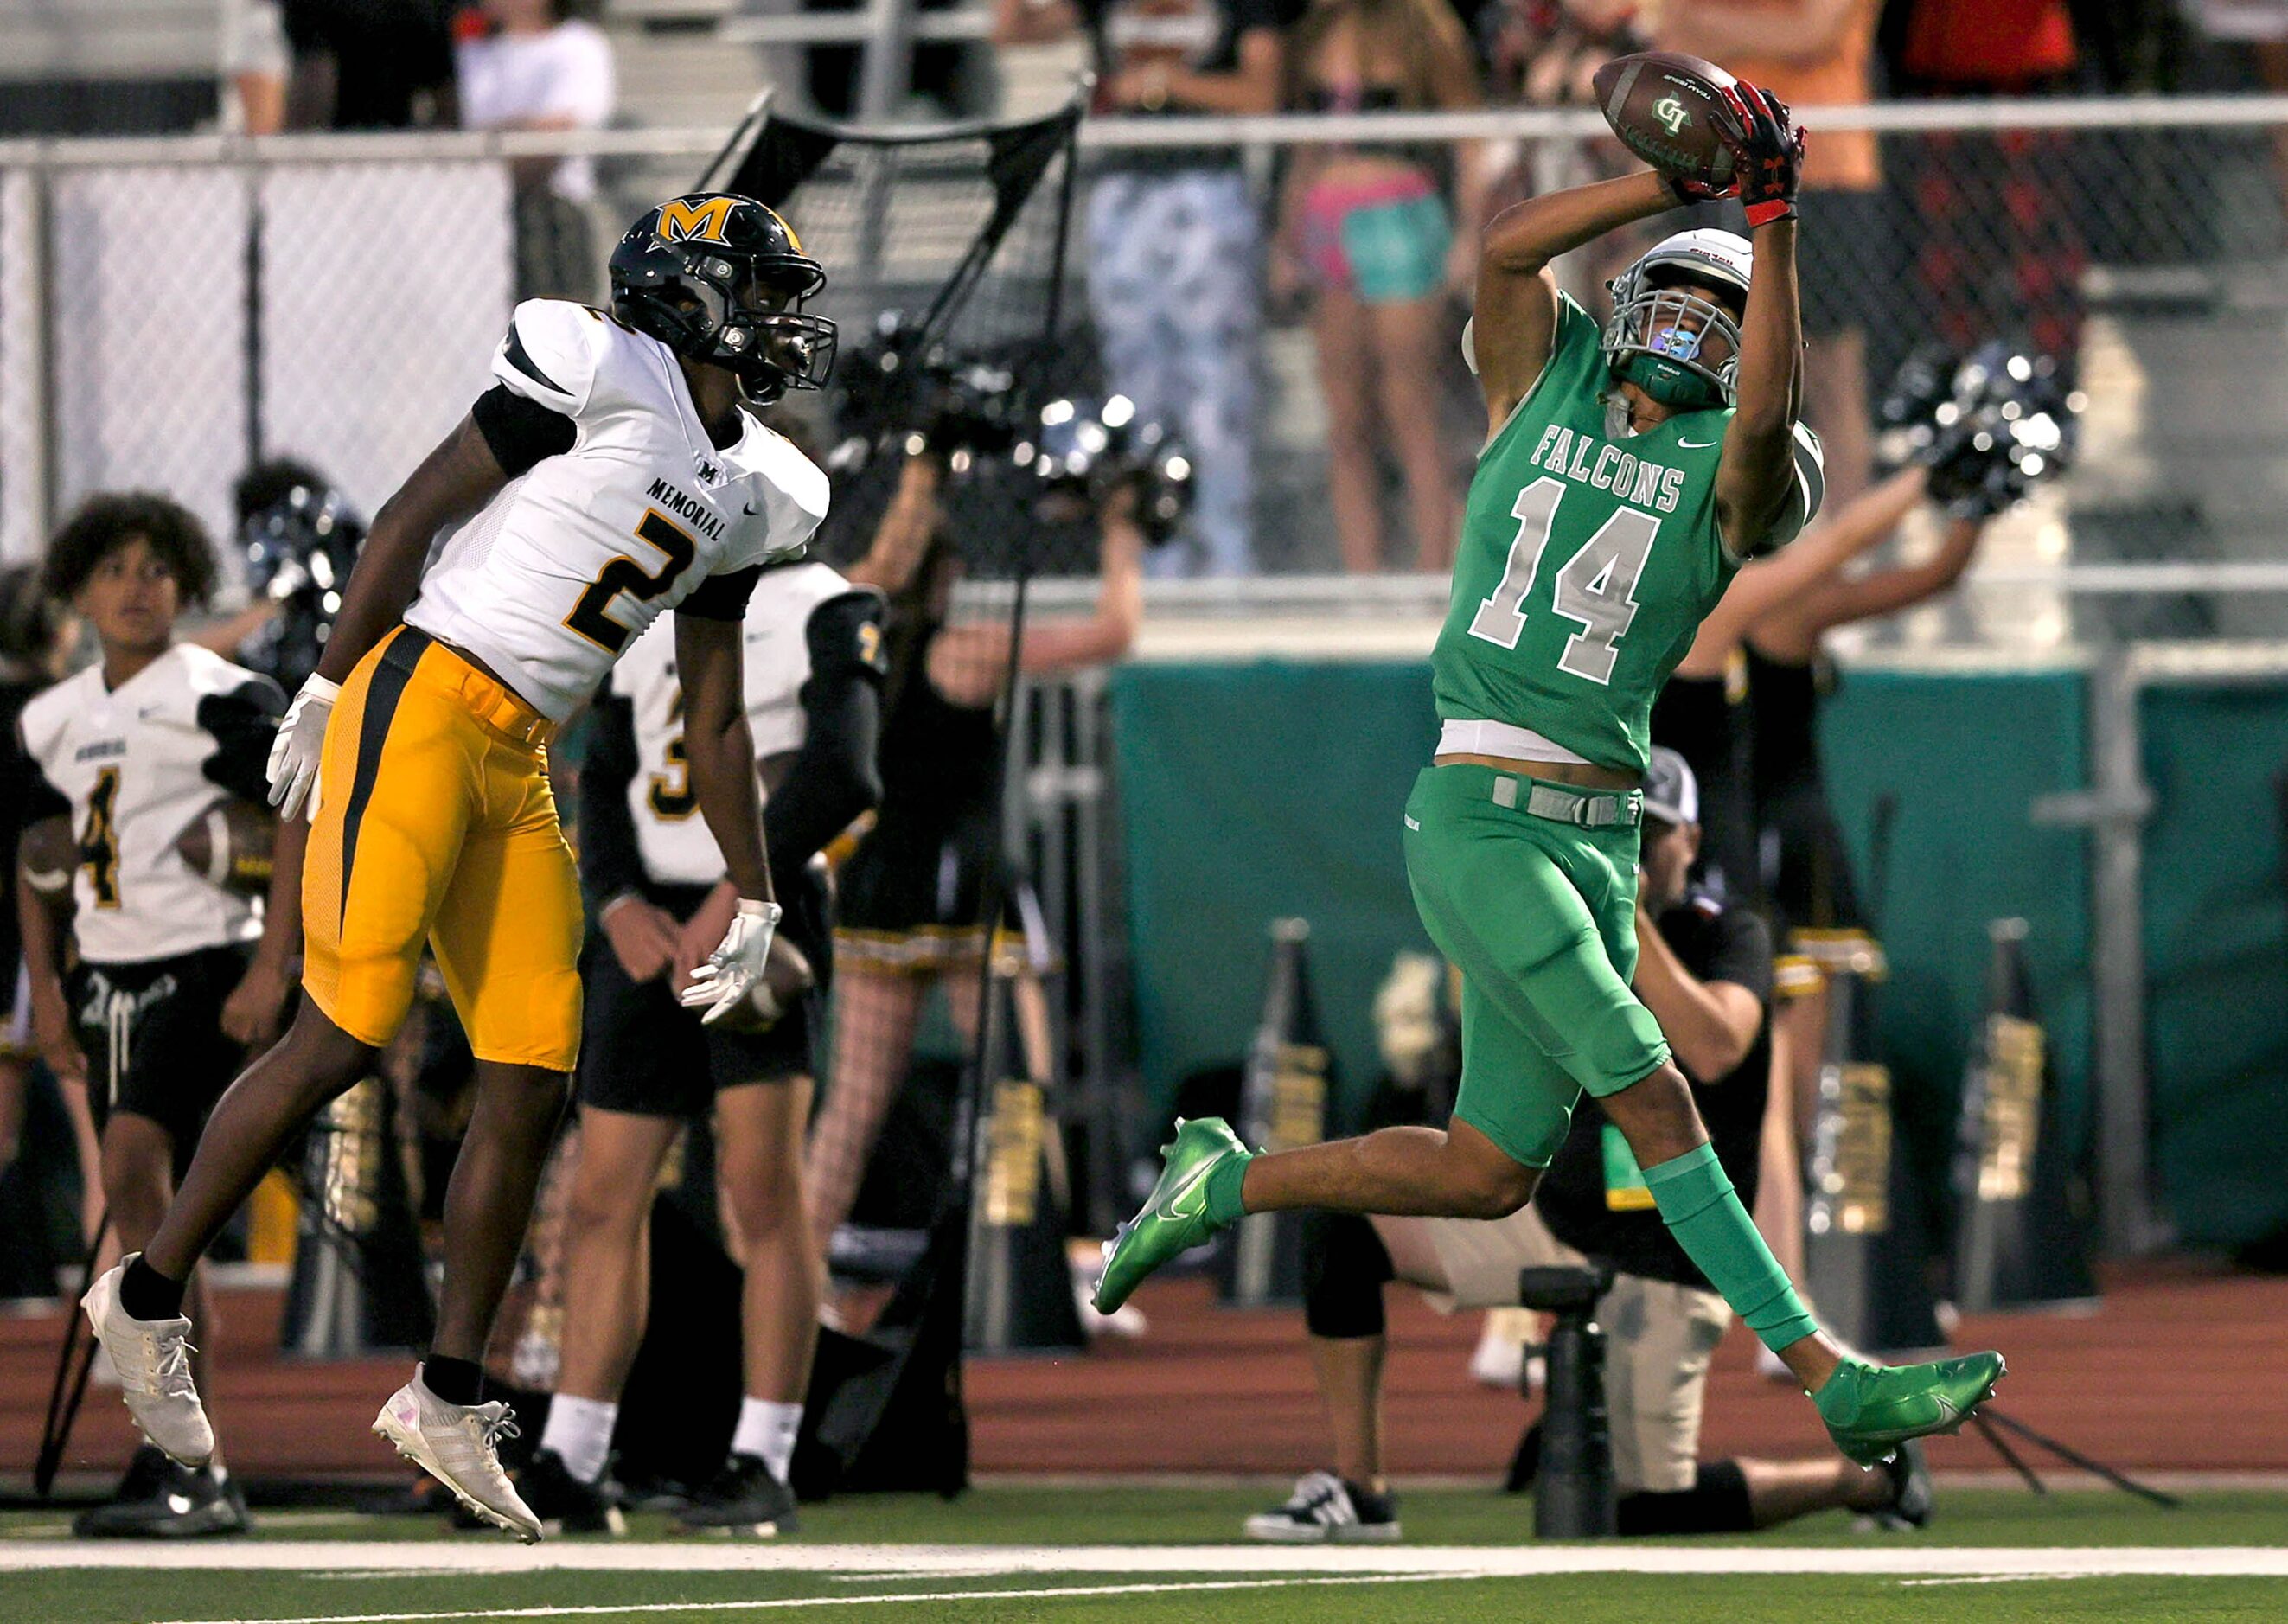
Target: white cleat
{"points": [[456, 1444], [152, 1358]]}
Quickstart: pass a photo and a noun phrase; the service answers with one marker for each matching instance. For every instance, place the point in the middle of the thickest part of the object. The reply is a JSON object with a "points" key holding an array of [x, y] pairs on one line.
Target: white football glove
{"points": [[301, 742], [734, 966]]}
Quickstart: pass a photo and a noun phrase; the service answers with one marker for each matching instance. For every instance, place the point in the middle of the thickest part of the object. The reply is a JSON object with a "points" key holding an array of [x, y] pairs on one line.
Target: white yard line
{"points": [[991, 1561], [637, 1609]]}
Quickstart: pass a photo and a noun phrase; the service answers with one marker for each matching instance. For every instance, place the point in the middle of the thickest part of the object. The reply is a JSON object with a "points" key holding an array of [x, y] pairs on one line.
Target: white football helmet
{"points": [[1677, 346]]}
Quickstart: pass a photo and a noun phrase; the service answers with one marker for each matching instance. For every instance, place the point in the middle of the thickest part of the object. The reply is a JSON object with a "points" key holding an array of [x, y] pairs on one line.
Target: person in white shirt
{"points": [[538, 68]]}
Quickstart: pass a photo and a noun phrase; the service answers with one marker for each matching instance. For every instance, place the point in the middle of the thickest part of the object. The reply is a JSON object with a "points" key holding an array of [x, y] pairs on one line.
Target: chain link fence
{"points": [[170, 311]]}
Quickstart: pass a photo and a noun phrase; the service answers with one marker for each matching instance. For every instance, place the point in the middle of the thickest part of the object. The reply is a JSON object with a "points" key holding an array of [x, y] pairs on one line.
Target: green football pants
{"points": [[1540, 918]]}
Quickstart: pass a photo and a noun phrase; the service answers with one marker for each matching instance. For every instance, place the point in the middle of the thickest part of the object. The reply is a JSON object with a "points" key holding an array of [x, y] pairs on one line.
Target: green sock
{"points": [[1697, 1202], [1222, 1191]]}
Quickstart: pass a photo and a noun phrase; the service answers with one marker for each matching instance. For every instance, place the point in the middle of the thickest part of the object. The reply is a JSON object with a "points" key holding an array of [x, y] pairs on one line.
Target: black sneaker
{"points": [[1912, 1498], [1325, 1509], [170, 1501], [563, 1503], [745, 1498]]}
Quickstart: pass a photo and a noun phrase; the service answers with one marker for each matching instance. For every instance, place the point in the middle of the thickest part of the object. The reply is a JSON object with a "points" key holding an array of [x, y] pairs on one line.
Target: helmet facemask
{"points": [[754, 326], [1678, 345]]}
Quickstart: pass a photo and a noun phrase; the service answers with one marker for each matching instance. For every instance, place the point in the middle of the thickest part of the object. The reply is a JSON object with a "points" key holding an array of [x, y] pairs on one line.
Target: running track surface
{"points": [[2176, 1370]]}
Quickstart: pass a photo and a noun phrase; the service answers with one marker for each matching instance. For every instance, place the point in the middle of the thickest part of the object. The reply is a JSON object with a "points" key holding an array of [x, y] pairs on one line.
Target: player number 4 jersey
{"points": [[133, 767], [1586, 564], [552, 580]]}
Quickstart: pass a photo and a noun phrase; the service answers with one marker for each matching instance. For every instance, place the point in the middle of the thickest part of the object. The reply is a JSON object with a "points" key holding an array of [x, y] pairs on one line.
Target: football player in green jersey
{"points": [[1628, 470]]}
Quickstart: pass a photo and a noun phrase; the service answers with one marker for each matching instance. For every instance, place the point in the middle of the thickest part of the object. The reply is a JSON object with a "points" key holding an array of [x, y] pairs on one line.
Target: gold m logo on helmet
{"points": [[681, 221]]}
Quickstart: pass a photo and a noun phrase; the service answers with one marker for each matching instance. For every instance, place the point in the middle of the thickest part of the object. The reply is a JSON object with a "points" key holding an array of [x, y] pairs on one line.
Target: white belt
{"points": [[1499, 738]]}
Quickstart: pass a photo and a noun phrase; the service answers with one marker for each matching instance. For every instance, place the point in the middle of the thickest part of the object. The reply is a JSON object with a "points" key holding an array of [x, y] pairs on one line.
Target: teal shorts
{"points": [[1540, 918]]}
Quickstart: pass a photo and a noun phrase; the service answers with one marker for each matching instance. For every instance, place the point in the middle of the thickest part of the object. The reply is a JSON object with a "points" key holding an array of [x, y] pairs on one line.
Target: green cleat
{"points": [[1176, 1218], [1871, 1409]]}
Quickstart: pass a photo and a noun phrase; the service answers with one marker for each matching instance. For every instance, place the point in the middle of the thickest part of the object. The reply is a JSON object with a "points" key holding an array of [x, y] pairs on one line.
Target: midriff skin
{"points": [[1582, 775]]}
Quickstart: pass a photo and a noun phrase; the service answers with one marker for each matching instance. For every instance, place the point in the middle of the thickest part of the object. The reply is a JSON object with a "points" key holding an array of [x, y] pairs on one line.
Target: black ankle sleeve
{"points": [[146, 1294], [455, 1381]]}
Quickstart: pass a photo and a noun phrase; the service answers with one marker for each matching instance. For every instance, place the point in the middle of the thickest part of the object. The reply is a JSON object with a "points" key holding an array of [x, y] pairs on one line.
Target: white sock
{"points": [[767, 1430], [580, 1431]]}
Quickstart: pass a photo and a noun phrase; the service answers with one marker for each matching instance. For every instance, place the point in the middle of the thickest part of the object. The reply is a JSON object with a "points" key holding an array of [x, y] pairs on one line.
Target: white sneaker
{"points": [[456, 1444], [152, 1358]]}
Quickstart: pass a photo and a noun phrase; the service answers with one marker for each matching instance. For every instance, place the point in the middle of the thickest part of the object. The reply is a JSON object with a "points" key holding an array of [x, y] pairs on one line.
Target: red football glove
{"points": [[1688, 191], [1766, 152]]}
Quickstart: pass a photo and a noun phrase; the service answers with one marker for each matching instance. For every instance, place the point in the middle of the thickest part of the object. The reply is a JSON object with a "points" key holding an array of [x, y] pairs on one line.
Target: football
{"points": [[1666, 107], [229, 843], [786, 976]]}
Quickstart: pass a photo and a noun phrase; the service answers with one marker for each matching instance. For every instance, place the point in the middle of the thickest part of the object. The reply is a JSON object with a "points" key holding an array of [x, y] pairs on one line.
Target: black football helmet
{"points": [[721, 279], [299, 549]]}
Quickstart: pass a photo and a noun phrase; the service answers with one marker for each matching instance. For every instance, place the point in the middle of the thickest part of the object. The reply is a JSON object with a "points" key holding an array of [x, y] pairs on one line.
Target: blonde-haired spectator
{"points": [[1366, 226]]}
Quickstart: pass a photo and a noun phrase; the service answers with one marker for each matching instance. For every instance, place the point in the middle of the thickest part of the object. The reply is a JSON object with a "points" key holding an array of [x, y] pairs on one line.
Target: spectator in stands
{"points": [[1997, 250], [1367, 227], [1707, 973], [1818, 53], [369, 64], [535, 67], [254, 66], [1174, 242], [1545, 53]]}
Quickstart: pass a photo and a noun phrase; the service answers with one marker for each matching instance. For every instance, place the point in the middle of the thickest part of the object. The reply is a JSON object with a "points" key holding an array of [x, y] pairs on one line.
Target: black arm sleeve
{"points": [[722, 597], [519, 430], [610, 862], [834, 777], [243, 723]]}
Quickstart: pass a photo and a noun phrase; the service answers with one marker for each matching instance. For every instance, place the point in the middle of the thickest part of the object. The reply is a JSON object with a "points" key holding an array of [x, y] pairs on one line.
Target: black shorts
{"points": [[154, 1037], [644, 1053]]}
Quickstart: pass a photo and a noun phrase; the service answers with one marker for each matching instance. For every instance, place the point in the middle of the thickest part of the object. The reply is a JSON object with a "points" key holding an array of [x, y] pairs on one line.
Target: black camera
{"points": [[896, 390], [1084, 450]]}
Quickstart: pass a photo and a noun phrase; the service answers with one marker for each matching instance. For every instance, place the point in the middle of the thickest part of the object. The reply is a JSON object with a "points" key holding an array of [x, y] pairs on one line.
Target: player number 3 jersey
{"points": [[1587, 563], [558, 574]]}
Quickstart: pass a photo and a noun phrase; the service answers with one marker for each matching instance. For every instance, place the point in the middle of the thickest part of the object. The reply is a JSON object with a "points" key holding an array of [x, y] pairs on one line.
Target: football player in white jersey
{"points": [[814, 664], [177, 970], [613, 473]]}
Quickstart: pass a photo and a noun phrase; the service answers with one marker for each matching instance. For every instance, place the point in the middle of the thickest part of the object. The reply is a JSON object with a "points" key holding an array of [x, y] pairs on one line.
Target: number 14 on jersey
{"points": [[1595, 588]]}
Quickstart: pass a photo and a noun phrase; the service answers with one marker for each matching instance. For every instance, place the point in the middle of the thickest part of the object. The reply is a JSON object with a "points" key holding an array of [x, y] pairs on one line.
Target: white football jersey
{"points": [[671, 836], [136, 765], [557, 574]]}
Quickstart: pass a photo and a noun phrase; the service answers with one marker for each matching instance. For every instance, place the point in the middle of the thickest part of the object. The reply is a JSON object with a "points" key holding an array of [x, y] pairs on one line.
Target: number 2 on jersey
{"points": [[1595, 587], [625, 574]]}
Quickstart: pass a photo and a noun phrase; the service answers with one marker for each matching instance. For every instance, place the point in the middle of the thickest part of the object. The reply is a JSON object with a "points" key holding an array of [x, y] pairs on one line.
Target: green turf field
{"points": [[1140, 1555]]}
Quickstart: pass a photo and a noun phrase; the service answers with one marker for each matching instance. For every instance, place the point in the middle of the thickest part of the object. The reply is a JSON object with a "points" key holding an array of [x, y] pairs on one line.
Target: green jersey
{"points": [[1586, 564]]}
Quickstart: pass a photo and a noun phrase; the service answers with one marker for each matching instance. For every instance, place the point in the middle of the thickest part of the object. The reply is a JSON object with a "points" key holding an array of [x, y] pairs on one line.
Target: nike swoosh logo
{"points": [[1197, 1181], [1410, 823], [1693, 445], [752, 510]]}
